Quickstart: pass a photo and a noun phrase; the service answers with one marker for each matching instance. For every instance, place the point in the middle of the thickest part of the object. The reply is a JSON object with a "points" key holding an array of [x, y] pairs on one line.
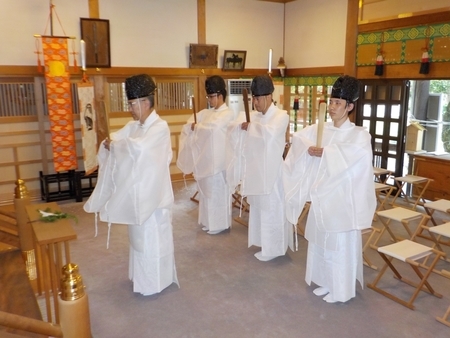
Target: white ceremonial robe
{"points": [[340, 187], [202, 152], [134, 188], [254, 163]]}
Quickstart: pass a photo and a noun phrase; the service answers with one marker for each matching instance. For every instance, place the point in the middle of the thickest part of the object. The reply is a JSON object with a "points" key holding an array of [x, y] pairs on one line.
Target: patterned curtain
{"points": [[59, 100]]}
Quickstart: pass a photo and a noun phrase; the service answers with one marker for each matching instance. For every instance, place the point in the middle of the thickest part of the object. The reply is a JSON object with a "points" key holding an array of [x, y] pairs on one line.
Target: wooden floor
{"points": [[16, 293]]}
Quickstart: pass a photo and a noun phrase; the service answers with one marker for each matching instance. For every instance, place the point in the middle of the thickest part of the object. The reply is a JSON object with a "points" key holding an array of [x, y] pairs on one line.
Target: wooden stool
{"points": [[421, 183], [305, 211], [240, 202], [379, 172], [402, 215], [442, 230], [194, 197], [444, 319], [49, 238], [371, 231], [439, 205], [382, 188], [409, 252]]}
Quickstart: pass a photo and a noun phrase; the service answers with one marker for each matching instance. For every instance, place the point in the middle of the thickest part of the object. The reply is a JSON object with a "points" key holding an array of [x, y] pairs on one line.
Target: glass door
{"points": [[382, 109]]}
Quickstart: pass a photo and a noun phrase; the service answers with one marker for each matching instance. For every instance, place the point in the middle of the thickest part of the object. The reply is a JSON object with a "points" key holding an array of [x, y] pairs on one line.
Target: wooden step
{"points": [[6, 239], [16, 294], [7, 226], [8, 211]]}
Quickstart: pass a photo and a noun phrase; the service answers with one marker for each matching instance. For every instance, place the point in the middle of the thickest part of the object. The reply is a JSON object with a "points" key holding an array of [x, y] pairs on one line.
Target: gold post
{"points": [[22, 199]]}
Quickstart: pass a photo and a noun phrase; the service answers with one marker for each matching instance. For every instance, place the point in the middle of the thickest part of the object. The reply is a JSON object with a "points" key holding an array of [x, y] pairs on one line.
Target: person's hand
{"points": [[314, 151], [106, 143], [244, 125], [192, 126]]}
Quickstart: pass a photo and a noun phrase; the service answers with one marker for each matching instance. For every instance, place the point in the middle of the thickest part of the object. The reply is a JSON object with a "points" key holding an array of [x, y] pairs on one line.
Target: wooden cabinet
{"points": [[436, 168]]}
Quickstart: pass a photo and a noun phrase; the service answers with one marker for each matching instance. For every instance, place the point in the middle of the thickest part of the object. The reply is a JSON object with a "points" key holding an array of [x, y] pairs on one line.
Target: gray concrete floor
{"points": [[226, 292]]}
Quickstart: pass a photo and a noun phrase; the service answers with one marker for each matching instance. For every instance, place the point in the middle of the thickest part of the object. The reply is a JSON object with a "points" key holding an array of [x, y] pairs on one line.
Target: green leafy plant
{"points": [[49, 216]]}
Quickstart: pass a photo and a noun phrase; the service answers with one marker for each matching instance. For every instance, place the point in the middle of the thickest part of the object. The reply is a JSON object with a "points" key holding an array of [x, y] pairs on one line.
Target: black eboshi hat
{"points": [[138, 86]]}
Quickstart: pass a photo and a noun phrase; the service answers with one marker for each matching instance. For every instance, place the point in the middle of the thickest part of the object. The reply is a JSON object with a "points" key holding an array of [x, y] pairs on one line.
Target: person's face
{"points": [[338, 110], [261, 103], [137, 108], [213, 100]]}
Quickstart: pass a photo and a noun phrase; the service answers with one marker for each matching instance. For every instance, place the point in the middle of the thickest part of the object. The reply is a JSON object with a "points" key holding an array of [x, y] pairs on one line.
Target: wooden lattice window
{"points": [[17, 99], [170, 95]]}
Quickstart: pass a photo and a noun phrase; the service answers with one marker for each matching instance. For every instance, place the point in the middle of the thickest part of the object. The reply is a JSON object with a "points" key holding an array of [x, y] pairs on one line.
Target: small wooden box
{"points": [[414, 137]]}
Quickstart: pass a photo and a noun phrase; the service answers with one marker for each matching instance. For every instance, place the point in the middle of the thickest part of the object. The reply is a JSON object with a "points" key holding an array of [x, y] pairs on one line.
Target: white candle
{"points": [[83, 54], [270, 60]]}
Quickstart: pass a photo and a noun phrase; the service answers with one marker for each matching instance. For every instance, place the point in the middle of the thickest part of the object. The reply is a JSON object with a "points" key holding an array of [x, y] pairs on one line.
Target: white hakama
{"points": [[202, 152], [134, 188], [340, 187], [254, 164]]}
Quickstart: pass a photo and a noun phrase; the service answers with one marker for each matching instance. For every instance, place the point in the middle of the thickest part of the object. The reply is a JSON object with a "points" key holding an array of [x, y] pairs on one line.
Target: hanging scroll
{"points": [[88, 126]]}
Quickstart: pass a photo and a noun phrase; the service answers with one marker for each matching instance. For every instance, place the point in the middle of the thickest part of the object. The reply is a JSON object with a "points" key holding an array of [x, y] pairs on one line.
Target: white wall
{"points": [[150, 33], [156, 33], [147, 33], [315, 33], [254, 26], [21, 19]]}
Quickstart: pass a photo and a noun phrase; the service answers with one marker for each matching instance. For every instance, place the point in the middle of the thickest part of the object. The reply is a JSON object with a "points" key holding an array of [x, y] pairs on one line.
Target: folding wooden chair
{"points": [[444, 320], [441, 205], [240, 203], [421, 183], [440, 231], [371, 232], [402, 215], [300, 223], [381, 175], [194, 197], [381, 188], [411, 253]]}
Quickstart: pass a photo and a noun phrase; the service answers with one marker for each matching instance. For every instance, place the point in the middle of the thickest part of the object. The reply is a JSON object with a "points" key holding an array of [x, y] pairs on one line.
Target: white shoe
{"points": [[264, 258], [205, 229], [215, 232], [321, 291], [329, 299]]}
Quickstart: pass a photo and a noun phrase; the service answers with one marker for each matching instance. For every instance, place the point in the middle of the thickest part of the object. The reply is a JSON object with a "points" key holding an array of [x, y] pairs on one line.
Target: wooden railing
{"points": [[29, 325]]}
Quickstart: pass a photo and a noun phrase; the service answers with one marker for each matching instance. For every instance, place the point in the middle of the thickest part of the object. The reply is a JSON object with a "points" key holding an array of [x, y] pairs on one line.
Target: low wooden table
{"points": [[49, 238]]}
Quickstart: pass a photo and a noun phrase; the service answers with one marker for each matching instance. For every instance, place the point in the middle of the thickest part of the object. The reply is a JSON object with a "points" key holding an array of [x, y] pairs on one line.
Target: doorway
{"points": [[382, 109]]}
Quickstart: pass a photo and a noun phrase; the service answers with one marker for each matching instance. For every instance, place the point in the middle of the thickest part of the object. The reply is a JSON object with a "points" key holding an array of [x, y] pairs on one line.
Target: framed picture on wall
{"points": [[203, 56], [95, 33], [234, 60]]}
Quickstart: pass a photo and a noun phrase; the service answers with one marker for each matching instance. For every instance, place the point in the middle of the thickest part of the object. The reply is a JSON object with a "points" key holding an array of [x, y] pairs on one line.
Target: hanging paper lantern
{"points": [[425, 63], [379, 65]]}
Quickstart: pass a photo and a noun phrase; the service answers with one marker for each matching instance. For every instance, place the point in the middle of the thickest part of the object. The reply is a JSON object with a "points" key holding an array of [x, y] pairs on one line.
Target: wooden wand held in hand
{"points": [[193, 108], [322, 112], [247, 111]]}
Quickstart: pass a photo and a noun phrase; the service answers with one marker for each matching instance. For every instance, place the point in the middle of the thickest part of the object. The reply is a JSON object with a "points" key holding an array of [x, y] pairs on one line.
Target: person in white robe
{"points": [[338, 180], [202, 152], [255, 154], [134, 188]]}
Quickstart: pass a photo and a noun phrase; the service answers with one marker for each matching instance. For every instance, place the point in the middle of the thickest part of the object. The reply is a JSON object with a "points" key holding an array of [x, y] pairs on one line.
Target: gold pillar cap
{"points": [[72, 286], [21, 190]]}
